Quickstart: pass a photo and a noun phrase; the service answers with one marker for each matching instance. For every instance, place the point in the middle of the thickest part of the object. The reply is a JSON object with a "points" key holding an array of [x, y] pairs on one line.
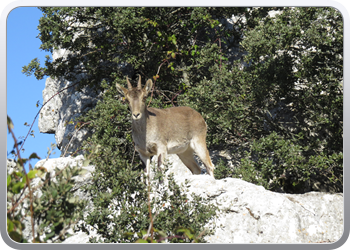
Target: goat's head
{"points": [[136, 96]]}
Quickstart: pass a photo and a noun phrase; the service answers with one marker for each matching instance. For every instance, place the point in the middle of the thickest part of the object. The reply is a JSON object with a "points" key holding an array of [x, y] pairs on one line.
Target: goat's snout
{"points": [[136, 116]]}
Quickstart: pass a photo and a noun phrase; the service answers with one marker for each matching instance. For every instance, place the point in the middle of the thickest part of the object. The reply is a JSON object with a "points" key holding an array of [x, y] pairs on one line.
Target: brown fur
{"points": [[176, 130]]}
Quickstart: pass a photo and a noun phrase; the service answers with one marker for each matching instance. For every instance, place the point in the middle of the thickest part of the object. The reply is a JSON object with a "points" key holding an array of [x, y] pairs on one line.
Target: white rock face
{"points": [[252, 214], [60, 114], [249, 213], [49, 115]]}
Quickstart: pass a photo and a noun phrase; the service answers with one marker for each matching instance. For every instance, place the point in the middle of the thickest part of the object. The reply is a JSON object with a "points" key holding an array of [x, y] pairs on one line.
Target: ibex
{"points": [[176, 130]]}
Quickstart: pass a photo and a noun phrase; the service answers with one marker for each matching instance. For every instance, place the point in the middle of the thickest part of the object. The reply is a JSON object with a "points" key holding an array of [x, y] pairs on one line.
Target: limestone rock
{"points": [[60, 115], [252, 214]]}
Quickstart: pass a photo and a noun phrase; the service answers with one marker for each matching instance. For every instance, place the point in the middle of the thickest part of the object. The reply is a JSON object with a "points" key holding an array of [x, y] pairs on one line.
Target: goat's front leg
{"points": [[160, 160], [162, 154], [146, 161]]}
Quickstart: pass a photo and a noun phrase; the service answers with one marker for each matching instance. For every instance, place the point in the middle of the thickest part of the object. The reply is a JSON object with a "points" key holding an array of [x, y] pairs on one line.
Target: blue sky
{"points": [[24, 92]]}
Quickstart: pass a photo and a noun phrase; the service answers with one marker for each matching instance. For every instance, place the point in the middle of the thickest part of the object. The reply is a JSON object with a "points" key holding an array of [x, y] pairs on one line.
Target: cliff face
{"points": [[61, 113]]}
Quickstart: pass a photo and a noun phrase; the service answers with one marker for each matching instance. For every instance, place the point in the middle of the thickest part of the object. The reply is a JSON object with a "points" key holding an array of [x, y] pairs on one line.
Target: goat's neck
{"points": [[139, 126]]}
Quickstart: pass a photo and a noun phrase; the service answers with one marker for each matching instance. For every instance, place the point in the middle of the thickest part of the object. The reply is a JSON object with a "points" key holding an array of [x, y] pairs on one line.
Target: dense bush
{"points": [[279, 164]]}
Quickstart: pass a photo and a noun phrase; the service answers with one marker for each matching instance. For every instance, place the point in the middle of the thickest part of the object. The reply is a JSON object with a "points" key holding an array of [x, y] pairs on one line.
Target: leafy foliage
{"points": [[292, 86], [222, 170], [225, 104], [16, 183], [298, 75], [297, 72], [280, 164], [58, 209]]}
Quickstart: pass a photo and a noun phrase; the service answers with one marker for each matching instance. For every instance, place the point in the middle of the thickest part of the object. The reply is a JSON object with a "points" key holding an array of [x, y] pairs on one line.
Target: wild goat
{"points": [[176, 130]]}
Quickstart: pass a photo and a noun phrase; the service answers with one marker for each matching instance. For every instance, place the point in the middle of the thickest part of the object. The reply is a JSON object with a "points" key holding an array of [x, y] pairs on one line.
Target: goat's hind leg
{"points": [[187, 159], [200, 148], [208, 164]]}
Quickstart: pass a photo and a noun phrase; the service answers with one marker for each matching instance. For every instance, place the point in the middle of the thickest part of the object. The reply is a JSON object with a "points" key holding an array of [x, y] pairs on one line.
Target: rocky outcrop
{"points": [[60, 115], [247, 213], [251, 214]]}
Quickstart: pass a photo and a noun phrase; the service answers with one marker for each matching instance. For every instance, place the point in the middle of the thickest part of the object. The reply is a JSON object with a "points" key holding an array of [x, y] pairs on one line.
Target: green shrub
{"points": [[281, 165], [222, 170], [58, 209]]}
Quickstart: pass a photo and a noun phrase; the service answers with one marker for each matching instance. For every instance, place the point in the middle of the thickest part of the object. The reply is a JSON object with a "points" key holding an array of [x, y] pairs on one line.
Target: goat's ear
{"points": [[148, 86], [123, 91]]}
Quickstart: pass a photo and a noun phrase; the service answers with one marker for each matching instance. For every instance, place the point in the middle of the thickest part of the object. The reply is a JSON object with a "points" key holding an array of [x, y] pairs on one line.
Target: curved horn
{"points": [[139, 83], [129, 84]]}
